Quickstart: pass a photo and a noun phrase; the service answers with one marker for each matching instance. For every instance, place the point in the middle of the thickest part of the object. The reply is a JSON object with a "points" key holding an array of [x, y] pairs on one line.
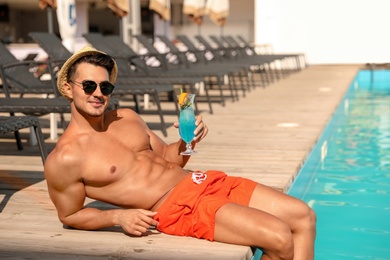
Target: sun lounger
{"points": [[15, 123], [230, 55], [144, 75], [248, 50], [263, 66], [214, 75], [220, 65], [18, 78]]}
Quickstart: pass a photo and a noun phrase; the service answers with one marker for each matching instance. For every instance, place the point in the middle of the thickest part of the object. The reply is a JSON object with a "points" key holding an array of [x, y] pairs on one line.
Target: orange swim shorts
{"points": [[191, 207]]}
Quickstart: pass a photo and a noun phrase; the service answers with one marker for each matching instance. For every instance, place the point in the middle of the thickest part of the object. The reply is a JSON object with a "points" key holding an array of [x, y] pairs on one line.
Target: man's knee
{"points": [[304, 218], [309, 218], [312, 217]]}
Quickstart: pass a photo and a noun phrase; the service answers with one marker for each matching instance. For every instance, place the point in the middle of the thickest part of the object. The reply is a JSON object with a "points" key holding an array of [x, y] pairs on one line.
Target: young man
{"points": [[112, 156]]}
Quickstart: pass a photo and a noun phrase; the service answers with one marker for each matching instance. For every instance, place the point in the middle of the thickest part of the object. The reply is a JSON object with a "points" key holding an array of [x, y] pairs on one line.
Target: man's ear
{"points": [[68, 90]]}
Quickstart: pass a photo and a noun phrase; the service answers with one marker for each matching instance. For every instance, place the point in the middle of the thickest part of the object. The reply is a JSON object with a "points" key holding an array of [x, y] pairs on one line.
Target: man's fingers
{"points": [[148, 218], [201, 131]]}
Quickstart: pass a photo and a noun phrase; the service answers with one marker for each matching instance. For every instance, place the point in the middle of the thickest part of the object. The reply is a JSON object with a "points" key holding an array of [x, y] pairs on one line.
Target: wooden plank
{"points": [[245, 139], [117, 245]]}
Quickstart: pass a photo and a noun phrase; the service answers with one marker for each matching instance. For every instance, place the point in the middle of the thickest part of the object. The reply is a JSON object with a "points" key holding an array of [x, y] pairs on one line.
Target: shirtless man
{"points": [[112, 156]]}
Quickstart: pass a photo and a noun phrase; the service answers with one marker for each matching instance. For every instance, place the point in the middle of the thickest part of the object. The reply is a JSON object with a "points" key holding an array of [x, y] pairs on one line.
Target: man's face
{"points": [[93, 104]]}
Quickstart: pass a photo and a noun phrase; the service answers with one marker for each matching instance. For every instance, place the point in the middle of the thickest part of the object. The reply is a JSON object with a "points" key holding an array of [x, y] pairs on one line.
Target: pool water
{"points": [[346, 178]]}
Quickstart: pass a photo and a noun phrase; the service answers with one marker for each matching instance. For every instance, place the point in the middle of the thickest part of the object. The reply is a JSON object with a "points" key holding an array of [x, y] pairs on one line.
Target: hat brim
{"points": [[63, 73]]}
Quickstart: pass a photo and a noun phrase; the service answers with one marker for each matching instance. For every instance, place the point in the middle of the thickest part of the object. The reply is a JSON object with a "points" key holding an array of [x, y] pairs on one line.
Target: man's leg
{"points": [[242, 225], [295, 213]]}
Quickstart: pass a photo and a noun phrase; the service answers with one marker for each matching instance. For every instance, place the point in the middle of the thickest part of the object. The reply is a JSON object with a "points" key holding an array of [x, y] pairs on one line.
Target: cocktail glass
{"points": [[187, 123]]}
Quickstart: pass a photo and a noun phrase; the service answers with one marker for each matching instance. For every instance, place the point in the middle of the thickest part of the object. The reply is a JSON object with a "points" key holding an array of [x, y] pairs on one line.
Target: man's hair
{"points": [[97, 59]]}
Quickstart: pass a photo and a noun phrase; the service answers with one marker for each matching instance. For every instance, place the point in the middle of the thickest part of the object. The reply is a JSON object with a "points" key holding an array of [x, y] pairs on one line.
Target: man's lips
{"points": [[96, 103]]}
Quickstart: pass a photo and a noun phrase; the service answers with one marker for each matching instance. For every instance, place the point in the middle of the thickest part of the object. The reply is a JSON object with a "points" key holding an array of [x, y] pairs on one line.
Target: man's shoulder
{"points": [[63, 164], [129, 115], [125, 112], [66, 153]]}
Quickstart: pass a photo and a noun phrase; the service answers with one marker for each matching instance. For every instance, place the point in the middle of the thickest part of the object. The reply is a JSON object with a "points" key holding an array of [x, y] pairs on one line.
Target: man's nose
{"points": [[97, 92]]}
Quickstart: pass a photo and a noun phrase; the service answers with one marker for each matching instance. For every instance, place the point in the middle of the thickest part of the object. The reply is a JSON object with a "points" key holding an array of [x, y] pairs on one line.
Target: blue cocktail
{"points": [[187, 123]]}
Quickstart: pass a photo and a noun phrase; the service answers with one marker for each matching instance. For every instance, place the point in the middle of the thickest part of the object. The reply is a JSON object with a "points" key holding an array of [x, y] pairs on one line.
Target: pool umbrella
{"points": [[66, 16], [195, 9], [49, 5], [120, 9], [218, 11], [163, 9]]}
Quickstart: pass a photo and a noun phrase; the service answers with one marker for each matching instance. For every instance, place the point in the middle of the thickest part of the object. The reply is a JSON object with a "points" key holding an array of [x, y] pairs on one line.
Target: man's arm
{"points": [[67, 192]]}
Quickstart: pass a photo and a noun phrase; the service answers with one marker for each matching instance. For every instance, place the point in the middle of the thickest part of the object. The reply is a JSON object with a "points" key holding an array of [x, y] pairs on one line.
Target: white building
{"points": [[327, 31]]}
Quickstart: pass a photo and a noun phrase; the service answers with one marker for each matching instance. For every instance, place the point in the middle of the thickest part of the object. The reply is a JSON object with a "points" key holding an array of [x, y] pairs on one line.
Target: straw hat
{"points": [[63, 73]]}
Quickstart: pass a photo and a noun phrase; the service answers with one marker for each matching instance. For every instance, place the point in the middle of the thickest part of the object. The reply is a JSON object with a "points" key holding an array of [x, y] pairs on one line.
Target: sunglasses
{"points": [[90, 86]]}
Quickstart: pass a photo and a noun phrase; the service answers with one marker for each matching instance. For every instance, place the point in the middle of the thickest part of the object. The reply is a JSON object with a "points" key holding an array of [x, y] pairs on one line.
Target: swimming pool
{"points": [[346, 178]]}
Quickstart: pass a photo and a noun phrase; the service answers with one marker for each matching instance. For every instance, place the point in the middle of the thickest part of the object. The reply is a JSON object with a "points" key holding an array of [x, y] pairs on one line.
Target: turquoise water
{"points": [[346, 178], [187, 124]]}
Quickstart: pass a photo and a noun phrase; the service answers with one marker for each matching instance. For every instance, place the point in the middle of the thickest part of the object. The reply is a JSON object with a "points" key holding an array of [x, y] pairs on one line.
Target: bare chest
{"points": [[107, 159]]}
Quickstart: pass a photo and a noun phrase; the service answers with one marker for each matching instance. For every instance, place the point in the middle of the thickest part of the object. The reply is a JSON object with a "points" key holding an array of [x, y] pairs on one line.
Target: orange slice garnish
{"points": [[182, 98]]}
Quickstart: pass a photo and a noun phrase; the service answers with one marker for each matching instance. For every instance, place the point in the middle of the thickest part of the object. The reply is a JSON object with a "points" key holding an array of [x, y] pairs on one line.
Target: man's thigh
{"points": [[278, 204], [243, 225]]}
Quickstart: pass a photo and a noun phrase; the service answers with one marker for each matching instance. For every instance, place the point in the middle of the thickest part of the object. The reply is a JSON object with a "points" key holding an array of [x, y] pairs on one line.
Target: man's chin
{"points": [[97, 113], [94, 112]]}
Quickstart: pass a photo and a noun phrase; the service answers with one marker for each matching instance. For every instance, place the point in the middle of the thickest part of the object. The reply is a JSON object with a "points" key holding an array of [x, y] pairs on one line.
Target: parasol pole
{"points": [[53, 116], [50, 18], [165, 27], [121, 32]]}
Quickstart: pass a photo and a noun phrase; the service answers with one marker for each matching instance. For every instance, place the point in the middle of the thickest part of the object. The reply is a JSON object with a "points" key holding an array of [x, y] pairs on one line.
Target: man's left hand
{"points": [[201, 129]]}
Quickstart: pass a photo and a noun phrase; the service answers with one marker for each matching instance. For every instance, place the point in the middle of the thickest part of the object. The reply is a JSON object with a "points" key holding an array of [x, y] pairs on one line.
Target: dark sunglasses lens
{"points": [[89, 86], [106, 88]]}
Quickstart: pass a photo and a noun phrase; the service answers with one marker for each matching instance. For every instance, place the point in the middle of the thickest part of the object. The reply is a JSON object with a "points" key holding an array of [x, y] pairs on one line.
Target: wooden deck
{"points": [[247, 138]]}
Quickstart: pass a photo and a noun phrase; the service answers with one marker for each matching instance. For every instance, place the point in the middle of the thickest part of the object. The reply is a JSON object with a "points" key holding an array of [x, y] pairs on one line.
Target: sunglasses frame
{"points": [[89, 89]]}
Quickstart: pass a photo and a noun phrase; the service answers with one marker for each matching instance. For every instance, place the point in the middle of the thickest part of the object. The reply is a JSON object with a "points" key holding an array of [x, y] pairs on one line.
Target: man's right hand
{"points": [[136, 221]]}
